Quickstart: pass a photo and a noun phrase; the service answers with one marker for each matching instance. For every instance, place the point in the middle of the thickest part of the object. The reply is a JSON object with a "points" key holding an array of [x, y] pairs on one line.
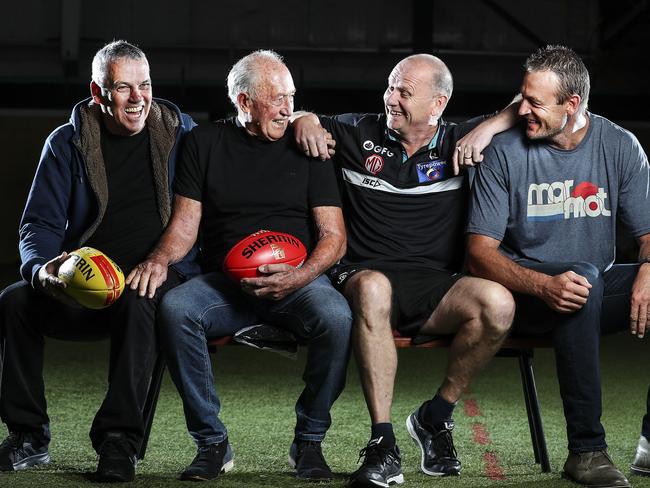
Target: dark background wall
{"points": [[340, 53]]}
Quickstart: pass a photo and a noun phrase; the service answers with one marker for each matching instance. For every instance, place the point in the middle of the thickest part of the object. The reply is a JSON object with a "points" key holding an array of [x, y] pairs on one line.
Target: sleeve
{"points": [[634, 191], [45, 217], [191, 169], [489, 203], [343, 126], [323, 187]]}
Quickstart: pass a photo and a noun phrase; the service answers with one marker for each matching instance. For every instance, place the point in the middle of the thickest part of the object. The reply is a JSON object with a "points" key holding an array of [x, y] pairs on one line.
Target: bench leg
{"points": [[151, 401], [532, 409]]}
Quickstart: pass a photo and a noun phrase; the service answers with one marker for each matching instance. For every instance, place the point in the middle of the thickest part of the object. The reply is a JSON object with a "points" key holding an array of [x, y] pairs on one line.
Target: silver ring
{"points": [[467, 157]]}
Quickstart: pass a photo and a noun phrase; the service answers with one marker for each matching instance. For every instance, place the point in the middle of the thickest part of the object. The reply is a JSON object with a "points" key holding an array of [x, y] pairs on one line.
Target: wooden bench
{"points": [[520, 348]]}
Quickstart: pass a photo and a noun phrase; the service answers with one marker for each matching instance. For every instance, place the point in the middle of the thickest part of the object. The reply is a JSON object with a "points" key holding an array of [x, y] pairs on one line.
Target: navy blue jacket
{"points": [[69, 193]]}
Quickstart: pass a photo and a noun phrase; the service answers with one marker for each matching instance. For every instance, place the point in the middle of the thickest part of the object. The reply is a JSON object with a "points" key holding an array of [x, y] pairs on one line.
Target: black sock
{"points": [[435, 411], [383, 431]]}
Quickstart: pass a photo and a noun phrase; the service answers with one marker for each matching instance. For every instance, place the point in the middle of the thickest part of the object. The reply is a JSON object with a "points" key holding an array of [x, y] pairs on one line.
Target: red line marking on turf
{"points": [[471, 408], [481, 435], [491, 466]]}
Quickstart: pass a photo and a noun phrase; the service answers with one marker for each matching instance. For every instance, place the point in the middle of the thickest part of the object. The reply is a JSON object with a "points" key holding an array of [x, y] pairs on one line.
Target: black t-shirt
{"points": [[131, 225], [246, 184], [400, 211]]}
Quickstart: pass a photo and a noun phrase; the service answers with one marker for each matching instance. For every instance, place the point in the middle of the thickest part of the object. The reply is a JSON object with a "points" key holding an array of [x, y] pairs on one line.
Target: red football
{"points": [[263, 247]]}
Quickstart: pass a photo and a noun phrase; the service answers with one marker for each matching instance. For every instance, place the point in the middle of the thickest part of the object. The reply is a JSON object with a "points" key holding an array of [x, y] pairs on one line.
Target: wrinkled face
{"points": [[127, 98], [545, 118], [409, 99], [272, 105]]}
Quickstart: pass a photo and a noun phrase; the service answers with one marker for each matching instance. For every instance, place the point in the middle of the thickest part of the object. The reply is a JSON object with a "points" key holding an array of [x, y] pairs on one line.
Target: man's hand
{"points": [[469, 149], [566, 292], [282, 280], [51, 284], [640, 302], [147, 276], [312, 138]]}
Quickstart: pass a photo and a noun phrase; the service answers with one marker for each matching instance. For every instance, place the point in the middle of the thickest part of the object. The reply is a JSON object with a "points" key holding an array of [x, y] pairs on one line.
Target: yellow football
{"points": [[92, 279]]}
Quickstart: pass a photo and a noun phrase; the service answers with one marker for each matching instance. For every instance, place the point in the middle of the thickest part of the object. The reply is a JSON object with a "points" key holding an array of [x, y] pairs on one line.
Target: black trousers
{"points": [[27, 316], [576, 340]]}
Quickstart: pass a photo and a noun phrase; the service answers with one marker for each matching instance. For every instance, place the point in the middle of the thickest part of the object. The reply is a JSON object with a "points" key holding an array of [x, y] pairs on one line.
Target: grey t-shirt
{"points": [[551, 205]]}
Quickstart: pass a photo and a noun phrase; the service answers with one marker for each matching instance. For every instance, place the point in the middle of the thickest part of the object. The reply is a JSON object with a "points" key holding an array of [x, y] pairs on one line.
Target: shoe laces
{"points": [[443, 443], [373, 453]]}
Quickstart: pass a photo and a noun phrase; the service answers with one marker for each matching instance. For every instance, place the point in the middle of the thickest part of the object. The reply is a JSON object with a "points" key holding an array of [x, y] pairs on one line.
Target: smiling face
{"points": [[267, 112], [545, 117], [126, 99], [409, 100]]}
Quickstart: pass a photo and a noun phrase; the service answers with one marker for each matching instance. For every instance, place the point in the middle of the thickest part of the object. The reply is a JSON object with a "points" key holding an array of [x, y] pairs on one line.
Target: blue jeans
{"points": [[210, 306], [576, 340]]}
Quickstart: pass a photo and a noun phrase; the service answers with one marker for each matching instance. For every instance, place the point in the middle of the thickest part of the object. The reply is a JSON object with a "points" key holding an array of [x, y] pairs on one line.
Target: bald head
{"points": [[433, 70]]}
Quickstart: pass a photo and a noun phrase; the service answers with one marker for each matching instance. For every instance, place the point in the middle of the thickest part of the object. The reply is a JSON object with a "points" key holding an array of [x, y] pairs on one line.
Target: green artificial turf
{"points": [[258, 390]]}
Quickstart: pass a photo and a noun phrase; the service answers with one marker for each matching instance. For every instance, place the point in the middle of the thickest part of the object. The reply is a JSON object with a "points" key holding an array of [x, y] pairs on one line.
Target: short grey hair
{"points": [[108, 55], [569, 68], [441, 82], [242, 77]]}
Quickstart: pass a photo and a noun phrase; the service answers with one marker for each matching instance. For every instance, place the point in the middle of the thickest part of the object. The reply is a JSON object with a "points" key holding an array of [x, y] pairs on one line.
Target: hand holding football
{"points": [[92, 279], [263, 247]]}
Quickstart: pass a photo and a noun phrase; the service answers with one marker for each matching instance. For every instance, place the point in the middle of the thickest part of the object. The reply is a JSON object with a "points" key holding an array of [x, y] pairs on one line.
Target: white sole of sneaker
{"points": [[396, 480], [416, 439], [228, 466], [34, 460]]}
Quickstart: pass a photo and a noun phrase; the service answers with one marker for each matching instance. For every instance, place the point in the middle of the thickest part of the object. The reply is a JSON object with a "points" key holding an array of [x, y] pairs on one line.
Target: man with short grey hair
{"points": [[104, 181], [236, 177], [543, 223]]}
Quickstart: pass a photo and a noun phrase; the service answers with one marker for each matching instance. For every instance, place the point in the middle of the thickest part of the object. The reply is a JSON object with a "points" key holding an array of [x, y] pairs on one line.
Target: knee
{"points": [[170, 312], [370, 293], [497, 308], [15, 299]]}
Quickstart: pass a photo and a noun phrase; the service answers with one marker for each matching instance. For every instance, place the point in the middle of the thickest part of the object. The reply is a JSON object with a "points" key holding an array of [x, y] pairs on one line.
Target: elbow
{"points": [[474, 261]]}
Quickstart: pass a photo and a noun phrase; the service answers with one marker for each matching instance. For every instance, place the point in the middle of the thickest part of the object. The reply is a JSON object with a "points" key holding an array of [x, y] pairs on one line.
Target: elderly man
{"points": [[104, 180], [543, 223], [238, 176], [405, 210]]}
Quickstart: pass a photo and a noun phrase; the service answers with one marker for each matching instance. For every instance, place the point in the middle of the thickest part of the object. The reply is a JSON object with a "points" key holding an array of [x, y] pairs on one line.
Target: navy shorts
{"points": [[416, 292]]}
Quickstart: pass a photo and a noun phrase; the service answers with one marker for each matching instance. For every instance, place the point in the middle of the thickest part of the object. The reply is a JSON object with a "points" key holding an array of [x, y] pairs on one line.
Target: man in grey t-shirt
{"points": [[543, 223]]}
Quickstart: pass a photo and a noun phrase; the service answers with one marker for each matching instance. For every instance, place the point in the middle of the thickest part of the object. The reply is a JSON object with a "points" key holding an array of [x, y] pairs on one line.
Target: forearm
{"points": [[331, 242], [506, 118], [491, 264], [181, 233]]}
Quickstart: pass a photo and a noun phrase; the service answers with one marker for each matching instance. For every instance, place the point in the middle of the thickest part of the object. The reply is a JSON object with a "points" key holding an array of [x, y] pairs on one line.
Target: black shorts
{"points": [[416, 292]]}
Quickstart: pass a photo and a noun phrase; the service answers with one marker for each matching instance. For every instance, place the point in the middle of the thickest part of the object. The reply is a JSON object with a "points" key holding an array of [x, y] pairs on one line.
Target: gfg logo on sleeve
{"points": [[559, 200]]}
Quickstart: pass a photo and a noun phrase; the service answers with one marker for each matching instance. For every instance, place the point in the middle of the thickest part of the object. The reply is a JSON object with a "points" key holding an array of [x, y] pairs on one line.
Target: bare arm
{"points": [[284, 279], [566, 292], [178, 238], [469, 149], [640, 302], [311, 137]]}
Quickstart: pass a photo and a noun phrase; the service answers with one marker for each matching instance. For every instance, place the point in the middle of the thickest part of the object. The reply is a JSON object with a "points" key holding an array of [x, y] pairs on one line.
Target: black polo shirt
{"points": [[399, 210]]}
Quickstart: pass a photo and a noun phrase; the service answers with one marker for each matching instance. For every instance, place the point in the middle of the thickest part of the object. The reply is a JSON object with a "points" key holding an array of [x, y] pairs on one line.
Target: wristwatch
{"points": [[644, 260]]}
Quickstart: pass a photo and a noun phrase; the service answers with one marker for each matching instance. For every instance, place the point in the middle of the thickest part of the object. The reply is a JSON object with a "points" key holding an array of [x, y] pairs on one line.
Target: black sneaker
{"points": [[439, 456], [210, 461], [21, 451], [117, 461], [381, 466], [307, 459]]}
